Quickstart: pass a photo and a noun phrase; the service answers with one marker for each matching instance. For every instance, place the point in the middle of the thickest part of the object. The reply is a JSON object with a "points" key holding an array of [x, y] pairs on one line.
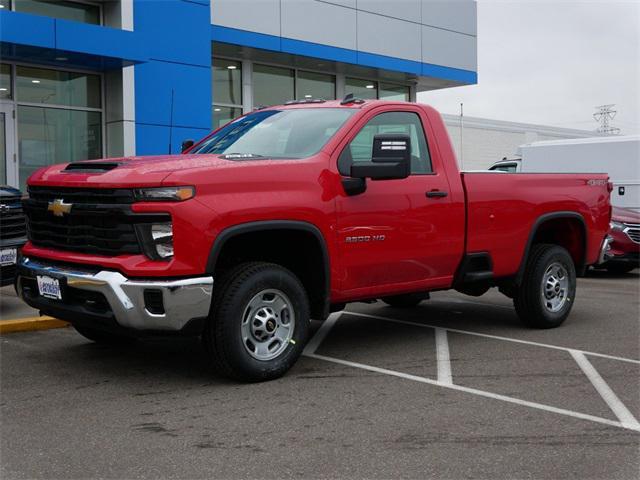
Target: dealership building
{"points": [[90, 79]]}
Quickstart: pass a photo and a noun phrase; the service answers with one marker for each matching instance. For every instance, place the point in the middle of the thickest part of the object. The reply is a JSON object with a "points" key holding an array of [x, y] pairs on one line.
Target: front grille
{"points": [[99, 221], [633, 231], [12, 220], [96, 196]]}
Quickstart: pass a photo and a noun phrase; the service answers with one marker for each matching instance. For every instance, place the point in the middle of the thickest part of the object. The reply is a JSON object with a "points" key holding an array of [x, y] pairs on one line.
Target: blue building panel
{"points": [[175, 31], [191, 87], [22, 29], [162, 139]]}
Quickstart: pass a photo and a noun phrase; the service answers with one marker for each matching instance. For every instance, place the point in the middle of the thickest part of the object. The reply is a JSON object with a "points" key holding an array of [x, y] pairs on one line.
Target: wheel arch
{"points": [[542, 231], [319, 300]]}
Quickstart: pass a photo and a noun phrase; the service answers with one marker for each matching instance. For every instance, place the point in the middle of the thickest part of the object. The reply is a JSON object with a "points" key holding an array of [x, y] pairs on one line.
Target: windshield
{"points": [[296, 133]]}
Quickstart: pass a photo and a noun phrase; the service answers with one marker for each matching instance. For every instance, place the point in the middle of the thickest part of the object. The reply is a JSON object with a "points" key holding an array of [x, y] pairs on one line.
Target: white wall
{"points": [[487, 141]]}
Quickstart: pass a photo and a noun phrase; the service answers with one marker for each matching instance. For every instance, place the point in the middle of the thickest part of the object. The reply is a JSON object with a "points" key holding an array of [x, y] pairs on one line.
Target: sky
{"points": [[551, 62]]}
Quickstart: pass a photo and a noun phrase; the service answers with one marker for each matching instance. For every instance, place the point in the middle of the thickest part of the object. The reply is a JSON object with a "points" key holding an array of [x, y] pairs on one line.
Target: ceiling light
{"points": [[371, 86], [308, 96], [216, 109], [3, 89], [231, 67], [35, 81], [1, 6]]}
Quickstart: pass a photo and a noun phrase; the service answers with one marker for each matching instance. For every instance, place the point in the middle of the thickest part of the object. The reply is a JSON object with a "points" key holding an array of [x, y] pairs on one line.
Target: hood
{"points": [[625, 215], [126, 171], [8, 192]]}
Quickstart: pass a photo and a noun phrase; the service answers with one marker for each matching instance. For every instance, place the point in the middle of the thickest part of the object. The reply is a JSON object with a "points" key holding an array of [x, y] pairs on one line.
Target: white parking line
{"points": [[442, 355], [496, 337], [624, 415], [314, 343], [627, 420], [482, 393]]}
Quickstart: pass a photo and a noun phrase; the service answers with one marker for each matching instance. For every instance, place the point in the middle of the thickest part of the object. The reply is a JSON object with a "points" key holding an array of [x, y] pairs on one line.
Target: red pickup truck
{"points": [[289, 213]]}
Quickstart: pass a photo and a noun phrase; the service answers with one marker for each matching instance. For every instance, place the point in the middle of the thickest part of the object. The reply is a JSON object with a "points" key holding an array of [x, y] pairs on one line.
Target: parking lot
{"points": [[455, 388]]}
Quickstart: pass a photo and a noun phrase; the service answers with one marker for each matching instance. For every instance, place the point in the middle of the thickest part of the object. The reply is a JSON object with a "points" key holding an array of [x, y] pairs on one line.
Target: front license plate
{"points": [[49, 287], [8, 256]]}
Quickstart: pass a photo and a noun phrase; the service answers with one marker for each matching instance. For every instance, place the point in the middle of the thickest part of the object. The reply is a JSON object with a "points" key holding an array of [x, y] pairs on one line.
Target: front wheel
{"points": [[548, 289], [259, 322]]}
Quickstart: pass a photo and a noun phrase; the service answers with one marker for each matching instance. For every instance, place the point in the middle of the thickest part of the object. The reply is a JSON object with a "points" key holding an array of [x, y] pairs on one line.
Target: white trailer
{"points": [[619, 156]]}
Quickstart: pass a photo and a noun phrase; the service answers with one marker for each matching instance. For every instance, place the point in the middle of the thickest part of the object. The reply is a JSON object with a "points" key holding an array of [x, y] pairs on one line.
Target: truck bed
{"points": [[502, 209]]}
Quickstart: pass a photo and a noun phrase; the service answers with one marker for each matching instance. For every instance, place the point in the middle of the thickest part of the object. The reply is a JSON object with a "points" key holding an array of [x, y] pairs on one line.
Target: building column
{"points": [[173, 89]]}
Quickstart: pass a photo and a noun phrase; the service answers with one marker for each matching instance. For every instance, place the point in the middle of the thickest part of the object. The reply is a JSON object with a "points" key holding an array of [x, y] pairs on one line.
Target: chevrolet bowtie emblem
{"points": [[59, 208]]}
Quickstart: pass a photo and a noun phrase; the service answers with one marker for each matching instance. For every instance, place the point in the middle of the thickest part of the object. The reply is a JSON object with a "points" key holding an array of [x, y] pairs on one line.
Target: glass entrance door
{"points": [[8, 170]]}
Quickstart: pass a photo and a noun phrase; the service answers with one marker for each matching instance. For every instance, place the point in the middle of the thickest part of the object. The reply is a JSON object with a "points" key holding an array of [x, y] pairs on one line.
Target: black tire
{"points": [[222, 337], [100, 336], [406, 300], [619, 268], [529, 300]]}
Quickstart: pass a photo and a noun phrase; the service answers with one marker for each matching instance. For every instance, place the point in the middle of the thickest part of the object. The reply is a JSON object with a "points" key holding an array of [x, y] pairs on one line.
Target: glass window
{"points": [[316, 85], [47, 136], [361, 147], [227, 81], [75, 11], [365, 89], [37, 85], [394, 92], [223, 115], [272, 85], [5, 5], [278, 133], [5, 80]]}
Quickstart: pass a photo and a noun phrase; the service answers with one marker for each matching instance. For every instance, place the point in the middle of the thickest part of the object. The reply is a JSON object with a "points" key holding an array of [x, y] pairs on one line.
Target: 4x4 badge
{"points": [[59, 208]]}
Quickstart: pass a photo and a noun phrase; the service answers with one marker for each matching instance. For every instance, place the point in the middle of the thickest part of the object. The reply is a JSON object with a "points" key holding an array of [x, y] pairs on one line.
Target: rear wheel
{"points": [[406, 300], [546, 295], [259, 322]]}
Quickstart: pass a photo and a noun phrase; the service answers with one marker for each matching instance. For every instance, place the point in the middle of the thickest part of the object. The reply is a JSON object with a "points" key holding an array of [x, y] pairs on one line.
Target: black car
{"points": [[13, 232]]}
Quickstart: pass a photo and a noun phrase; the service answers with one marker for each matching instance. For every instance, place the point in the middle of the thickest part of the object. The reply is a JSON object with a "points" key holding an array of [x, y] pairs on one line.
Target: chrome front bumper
{"points": [[183, 300]]}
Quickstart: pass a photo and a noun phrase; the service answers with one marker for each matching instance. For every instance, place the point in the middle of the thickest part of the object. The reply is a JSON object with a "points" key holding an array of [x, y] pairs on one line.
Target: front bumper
{"points": [[108, 296]]}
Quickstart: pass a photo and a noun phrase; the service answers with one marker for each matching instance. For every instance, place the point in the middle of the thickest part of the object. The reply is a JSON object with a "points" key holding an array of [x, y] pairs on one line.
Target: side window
{"points": [[408, 123]]}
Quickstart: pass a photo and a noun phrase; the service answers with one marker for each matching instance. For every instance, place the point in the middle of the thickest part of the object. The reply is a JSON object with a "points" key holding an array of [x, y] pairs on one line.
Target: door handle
{"points": [[436, 194]]}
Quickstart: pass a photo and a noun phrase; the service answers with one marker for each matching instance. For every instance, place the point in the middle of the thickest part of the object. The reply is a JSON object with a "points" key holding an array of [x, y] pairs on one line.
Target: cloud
{"points": [[552, 62]]}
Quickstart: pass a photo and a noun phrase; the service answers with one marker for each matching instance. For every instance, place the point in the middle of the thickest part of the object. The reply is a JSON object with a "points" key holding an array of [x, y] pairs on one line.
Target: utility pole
{"points": [[461, 132], [605, 113]]}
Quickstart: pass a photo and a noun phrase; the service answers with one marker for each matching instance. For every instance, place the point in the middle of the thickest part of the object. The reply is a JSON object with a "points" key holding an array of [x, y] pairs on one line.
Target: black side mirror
{"points": [[187, 144], [390, 159]]}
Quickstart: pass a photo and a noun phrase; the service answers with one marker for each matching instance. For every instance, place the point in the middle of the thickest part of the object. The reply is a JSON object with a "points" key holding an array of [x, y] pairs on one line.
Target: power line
{"points": [[605, 113]]}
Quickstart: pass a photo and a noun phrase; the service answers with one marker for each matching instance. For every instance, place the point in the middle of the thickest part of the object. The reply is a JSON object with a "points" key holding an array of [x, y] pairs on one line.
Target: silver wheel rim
{"points": [[268, 324], [555, 287]]}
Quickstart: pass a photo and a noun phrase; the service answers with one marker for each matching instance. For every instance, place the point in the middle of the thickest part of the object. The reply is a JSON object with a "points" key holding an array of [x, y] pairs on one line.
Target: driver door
{"points": [[394, 237]]}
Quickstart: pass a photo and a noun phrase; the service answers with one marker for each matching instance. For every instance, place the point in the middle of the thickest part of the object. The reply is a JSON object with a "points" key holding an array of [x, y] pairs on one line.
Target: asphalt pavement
{"points": [[455, 388]]}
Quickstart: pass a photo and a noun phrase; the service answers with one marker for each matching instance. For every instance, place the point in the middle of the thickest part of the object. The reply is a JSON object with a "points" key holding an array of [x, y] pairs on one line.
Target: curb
{"points": [[30, 324]]}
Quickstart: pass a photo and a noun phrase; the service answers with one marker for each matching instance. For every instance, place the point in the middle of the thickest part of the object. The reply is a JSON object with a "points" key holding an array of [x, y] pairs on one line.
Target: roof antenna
{"points": [[171, 123]]}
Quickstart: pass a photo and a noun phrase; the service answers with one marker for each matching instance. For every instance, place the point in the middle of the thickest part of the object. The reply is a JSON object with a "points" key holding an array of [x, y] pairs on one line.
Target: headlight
{"points": [[157, 240], [164, 194], [616, 225]]}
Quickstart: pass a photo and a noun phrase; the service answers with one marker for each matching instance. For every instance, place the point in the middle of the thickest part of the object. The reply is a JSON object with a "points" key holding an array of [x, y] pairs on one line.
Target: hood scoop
{"points": [[91, 167]]}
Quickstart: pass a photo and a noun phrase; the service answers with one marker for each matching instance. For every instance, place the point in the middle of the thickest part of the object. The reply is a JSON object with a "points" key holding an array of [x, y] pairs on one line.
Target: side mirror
{"points": [[187, 144], [390, 159]]}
